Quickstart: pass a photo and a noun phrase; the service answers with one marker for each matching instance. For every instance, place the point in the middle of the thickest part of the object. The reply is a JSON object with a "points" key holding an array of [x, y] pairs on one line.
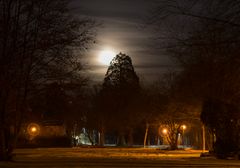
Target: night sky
{"points": [[122, 31]]}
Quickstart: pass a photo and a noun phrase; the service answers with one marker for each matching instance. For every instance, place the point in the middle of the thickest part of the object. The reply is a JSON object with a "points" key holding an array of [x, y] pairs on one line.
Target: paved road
{"points": [[112, 158]]}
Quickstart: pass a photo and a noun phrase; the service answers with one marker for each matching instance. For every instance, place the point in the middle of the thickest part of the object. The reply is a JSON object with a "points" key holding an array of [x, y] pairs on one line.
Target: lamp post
{"points": [[164, 132], [203, 139], [183, 128]]}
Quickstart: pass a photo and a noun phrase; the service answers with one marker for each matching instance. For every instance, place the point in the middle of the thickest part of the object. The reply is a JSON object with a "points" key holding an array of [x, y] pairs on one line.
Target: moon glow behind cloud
{"points": [[105, 56]]}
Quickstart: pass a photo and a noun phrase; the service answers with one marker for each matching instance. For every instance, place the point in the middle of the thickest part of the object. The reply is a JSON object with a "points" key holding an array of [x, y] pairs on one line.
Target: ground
{"points": [[112, 158]]}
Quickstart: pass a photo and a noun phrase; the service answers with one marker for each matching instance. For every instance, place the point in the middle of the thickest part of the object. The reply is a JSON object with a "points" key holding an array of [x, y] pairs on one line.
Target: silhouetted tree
{"points": [[120, 88], [218, 116], [39, 42], [64, 102], [171, 109]]}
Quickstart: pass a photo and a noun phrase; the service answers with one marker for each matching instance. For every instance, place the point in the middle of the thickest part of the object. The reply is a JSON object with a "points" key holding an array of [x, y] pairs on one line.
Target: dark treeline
{"points": [[132, 114]]}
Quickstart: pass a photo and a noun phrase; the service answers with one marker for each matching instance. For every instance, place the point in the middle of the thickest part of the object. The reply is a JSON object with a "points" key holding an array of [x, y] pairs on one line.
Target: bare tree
{"points": [[173, 109], [39, 43], [205, 44]]}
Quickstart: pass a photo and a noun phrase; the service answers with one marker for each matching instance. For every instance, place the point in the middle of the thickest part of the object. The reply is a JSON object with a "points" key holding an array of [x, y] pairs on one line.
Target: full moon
{"points": [[106, 56]]}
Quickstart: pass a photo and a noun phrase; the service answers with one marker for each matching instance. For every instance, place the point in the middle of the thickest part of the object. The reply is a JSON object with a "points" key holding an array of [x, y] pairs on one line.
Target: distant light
{"points": [[164, 131], [33, 129], [184, 127], [106, 56]]}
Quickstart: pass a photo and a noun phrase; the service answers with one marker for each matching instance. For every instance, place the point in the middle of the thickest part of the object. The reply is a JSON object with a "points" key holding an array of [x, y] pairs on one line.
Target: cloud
{"points": [[121, 30], [126, 9]]}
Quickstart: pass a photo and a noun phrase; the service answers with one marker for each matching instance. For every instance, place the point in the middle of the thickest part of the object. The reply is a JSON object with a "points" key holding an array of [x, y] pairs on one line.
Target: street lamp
{"points": [[164, 131], [33, 130], [183, 128]]}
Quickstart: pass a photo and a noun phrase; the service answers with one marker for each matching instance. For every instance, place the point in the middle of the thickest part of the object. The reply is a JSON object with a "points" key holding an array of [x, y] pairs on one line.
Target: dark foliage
{"points": [[40, 42], [203, 38], [117, 100], [220, 117]]}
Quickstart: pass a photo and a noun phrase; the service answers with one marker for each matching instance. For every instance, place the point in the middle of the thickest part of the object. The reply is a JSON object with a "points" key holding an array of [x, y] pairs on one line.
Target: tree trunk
{"points": [[146, 135], [173, 141], [90, 136], [121, 139], [6, 145], [102, 137], [130, 137], [203, 138], [5, 150], [173, 145]]}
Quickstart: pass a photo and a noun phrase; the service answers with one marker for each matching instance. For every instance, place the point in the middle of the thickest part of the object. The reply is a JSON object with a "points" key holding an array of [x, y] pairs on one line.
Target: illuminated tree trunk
{"points": [[146, 135], [173, 141], [203, 139]]}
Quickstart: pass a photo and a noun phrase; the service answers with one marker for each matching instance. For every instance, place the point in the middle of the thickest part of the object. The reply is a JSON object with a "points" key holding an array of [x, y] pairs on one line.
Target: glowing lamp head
{"points": [[184, 127], [33, 129], [165, 131]]}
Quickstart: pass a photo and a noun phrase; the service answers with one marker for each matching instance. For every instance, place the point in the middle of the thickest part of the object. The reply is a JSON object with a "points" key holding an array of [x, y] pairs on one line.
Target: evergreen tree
{"points": [[117, 97], [121, 74]]}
